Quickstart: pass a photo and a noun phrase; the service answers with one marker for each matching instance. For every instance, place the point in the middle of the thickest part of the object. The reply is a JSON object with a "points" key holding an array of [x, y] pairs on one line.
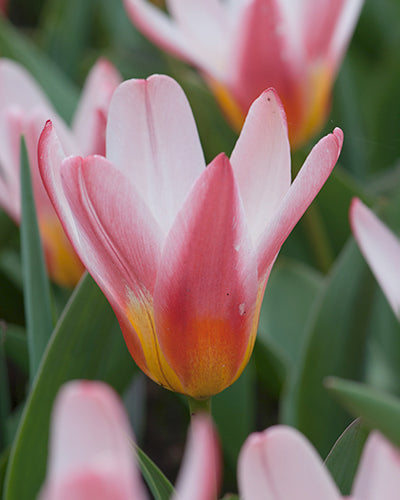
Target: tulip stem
{"points": [[197, 406]]}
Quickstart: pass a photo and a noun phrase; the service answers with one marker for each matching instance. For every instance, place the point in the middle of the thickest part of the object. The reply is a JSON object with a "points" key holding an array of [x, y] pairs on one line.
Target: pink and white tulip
{"points": [[183, 252], [280, 464], [243, 47], [91, 455], [381, 249], [24, 110]]}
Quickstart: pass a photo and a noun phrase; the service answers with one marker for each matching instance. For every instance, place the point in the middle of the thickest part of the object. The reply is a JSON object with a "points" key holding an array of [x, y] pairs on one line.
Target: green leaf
{"points": [[86, 344], [5, 403], [57, 18], [158, 484], [294, 286], [344, 457], [56, 86], [336, 339], [37, 301], [3, 465], [377, 410], [15, 345], [234, 413]]}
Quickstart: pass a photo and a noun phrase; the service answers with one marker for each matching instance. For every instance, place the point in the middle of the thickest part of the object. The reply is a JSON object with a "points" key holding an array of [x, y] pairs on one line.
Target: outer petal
{"points": [[378, 475], [206, 289], [18, 88], [305, 187], [51, 158], [152, 138], [89, 124], [199, 476], [90, 447], [158, 27], [266, 56], [280, 464], [261, 161], [343, 31], [380, 248], [10, 135]]}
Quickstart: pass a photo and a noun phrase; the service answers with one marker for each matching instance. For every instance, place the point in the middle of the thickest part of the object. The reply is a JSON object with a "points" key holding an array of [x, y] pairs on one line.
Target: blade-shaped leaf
{"points": [[343, 458], [5, 404], [378, 410], [158, 484], [86, 344], [37, 301], [15, 345], [335, 346]]}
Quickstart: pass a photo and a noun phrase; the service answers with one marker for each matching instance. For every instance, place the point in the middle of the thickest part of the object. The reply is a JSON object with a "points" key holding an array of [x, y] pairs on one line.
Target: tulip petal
{"points": [[280, 464], [343, 31], [152, 138], [301, 193], [90, 447], [158, 27], [10, 139], [90, 118], [265, 55], [199, 475], [381, 249], [206, 288], [207, 31], [261, 162], [18, 88], [378, 475]]}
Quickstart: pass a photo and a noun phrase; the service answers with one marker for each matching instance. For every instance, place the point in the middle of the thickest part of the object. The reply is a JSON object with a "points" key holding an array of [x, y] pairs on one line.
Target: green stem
{"points": [[197, 406]]}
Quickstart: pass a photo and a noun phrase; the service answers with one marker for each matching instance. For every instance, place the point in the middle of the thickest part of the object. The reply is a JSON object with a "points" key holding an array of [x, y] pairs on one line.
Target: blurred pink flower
{"points": [[183, 252], [3, 7], [243, 47], [24, 110], [91, 455], [381, 249], [280, 464]]}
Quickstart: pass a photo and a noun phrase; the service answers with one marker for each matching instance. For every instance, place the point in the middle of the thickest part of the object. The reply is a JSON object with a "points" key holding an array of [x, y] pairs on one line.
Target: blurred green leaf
{"points": [[377, 410], [234, 413], [58, 20], [5, 403], [86, 344], [343, 458], [291, 290], [15, 345], [158, 484], [335, 345], [11, 301], [8, 229], [57, 87], [4, 454], [37, 300]]}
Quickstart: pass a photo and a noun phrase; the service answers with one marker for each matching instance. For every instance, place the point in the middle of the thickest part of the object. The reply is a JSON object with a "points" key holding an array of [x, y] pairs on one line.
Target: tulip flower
{"points": [[91, 454], [280, 464], [242, 47], [183, 252], [381, 249], [24, 110]]}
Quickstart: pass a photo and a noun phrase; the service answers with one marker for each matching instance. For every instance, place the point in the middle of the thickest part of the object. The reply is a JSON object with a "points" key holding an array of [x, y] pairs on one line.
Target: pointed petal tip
{"points": [[271, 95], [338, 133]]}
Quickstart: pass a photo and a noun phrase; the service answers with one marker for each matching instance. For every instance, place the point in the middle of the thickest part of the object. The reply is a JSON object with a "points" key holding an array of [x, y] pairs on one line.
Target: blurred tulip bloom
{"points": [[183, 252], [280, 464], [91, 454], [24, 110], [381, 249], [243, 47]]}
